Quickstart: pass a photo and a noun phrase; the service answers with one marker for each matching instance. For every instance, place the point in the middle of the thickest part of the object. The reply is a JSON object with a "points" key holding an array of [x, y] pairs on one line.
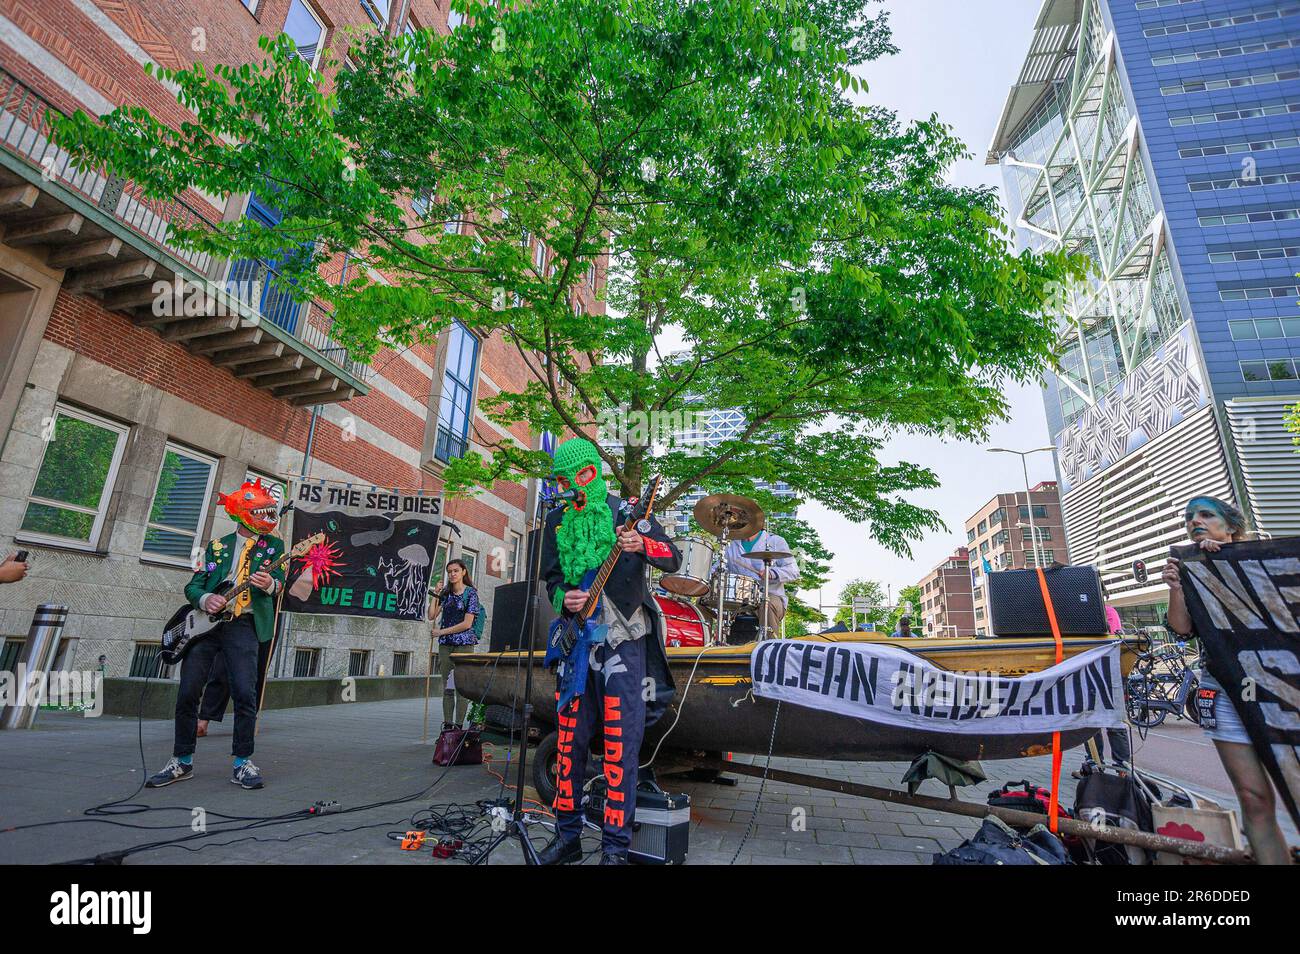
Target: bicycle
{"points": [[1163, 682]]}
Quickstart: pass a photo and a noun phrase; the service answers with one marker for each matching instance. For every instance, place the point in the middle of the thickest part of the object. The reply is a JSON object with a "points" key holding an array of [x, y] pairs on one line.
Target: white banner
{"points": [[885, 684]]}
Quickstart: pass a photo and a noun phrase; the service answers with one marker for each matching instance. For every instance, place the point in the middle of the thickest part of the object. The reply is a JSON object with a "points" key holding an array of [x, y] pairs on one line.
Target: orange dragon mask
{"points": [[252, 507]]}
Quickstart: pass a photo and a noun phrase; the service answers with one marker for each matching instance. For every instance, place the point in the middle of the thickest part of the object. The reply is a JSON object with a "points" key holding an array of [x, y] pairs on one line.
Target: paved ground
{"points": [[368, 753]]}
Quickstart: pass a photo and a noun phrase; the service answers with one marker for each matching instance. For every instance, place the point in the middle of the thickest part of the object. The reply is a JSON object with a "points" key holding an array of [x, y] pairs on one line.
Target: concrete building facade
{"points": [[1161, 139], [947, 599], [999, 535], [117, 425]]}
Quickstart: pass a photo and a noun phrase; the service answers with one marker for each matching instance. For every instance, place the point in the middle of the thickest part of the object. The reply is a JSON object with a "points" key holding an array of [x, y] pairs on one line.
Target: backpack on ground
{"points": [[1117, 800], [997, 843], [1026, 797]]}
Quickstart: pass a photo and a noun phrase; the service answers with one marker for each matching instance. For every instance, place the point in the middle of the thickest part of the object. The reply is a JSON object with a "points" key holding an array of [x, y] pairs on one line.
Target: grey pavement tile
{"points": [[853, 839], [877, 856], [901, 843]]}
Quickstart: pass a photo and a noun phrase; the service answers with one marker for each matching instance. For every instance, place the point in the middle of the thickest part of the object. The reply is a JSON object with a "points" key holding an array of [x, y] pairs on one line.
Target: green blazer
{"points": [[217, 560]]}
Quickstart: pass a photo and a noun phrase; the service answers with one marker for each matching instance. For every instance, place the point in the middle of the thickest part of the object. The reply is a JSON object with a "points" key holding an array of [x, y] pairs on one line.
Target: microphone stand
{"points": [[517, 826]]}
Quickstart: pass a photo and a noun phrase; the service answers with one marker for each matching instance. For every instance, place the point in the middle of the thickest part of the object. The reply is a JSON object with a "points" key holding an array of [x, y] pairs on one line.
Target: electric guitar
{"points": [[189, 625], [572, 635]]}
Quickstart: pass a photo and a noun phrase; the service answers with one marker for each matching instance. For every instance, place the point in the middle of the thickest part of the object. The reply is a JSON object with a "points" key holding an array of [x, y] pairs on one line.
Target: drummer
{"points": [[781, 571]]}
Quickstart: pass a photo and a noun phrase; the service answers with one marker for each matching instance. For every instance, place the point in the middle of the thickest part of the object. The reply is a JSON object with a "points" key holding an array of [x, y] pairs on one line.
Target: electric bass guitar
{"points": [[188, 625], [572, 635]]}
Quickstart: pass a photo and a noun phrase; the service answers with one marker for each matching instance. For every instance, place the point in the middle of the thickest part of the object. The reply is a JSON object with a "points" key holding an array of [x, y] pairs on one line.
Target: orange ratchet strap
{"points": [[1054, 804]]}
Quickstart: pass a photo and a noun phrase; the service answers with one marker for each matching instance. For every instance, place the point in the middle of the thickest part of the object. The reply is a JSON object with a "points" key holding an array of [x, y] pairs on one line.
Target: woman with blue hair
{"points": [[1212, 523]]}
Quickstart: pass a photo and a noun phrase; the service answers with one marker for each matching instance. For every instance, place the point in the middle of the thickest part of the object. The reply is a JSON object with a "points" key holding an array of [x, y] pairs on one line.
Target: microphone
{"points": [[571, 494]]}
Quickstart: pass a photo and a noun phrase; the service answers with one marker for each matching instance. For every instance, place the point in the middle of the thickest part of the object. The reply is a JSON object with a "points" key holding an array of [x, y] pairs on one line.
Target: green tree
{"points": [[873, 591], [908, 594], [1292, 423], [801, 246]]}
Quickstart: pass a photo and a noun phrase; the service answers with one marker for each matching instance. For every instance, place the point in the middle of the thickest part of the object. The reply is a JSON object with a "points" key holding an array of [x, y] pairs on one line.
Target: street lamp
{"points": [[1029, 503]]}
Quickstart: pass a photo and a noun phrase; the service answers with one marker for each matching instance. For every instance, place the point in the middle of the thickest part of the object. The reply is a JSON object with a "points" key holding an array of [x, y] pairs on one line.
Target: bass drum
{"points": [[692, 577], [683, 624]]}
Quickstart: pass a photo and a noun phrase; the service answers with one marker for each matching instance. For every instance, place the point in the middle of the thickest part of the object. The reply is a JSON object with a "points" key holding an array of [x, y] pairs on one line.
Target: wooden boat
{"points": [[715, 711]]}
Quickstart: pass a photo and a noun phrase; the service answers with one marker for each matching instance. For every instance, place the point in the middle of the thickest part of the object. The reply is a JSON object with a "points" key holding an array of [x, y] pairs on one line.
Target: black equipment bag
{"points": [[996, 843], [1026, 797], [1119, 801]]}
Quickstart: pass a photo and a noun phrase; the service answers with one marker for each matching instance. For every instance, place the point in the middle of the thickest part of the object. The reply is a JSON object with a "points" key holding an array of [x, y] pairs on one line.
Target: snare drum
{"points": [[692, 577], [738, 593], [683, 624]]}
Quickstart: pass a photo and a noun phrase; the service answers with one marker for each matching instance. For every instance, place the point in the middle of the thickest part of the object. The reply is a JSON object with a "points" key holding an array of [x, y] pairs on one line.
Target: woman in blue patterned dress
{"points": [[455, 633]]}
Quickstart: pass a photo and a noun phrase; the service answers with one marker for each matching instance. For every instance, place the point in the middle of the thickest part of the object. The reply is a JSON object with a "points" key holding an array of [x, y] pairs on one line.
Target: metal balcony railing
{"points": [[26, 131]]}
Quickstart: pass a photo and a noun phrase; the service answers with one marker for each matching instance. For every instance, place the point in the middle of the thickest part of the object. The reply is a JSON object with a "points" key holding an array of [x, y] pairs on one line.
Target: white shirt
{"points": [[782, 571]]}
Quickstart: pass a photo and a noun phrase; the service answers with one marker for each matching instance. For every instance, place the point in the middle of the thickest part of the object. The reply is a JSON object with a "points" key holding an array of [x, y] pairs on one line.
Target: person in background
{"points": [[1211, 524], [12, 569], [454, 632], [1120, 749], [904, 628], [780, 573]]}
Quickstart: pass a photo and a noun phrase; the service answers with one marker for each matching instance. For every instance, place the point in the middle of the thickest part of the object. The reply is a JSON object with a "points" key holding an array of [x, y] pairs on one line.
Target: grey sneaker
{"points": [[247, 776], [174, 771]]}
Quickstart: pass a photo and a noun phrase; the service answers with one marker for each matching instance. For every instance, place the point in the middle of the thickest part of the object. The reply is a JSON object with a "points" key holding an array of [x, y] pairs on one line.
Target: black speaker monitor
{"points": [[1016, 602], [511, 616]]}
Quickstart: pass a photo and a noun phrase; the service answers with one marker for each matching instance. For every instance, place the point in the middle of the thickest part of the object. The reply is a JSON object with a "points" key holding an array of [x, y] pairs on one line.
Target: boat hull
{"points": [[715, 710]]}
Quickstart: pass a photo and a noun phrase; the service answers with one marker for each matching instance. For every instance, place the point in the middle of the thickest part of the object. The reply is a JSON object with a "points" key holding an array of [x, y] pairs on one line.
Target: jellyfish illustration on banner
{"points": [[376, 557], [408, 577]]}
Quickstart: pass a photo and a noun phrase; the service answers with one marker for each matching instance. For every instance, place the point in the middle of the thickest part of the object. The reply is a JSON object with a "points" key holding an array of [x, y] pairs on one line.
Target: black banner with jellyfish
{"points": [[377, 555]]}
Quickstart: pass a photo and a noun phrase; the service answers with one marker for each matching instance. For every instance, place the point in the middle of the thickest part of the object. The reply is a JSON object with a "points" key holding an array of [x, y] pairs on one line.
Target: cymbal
{"points": [[768, 556], [738, 514]]}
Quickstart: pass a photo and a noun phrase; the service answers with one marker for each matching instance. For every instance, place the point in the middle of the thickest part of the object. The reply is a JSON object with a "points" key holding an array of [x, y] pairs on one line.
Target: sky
{"points": [[956, 58]]}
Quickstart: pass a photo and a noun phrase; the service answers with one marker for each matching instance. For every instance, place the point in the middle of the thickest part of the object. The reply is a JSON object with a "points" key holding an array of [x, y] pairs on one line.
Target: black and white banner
{"points": [[378, 551], [891, 686], [1244, 602]]}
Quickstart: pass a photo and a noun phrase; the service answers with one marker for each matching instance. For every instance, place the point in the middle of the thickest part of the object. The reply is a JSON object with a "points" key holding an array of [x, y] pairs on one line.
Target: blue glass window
{"points": [[258, 282], [455, 409]]}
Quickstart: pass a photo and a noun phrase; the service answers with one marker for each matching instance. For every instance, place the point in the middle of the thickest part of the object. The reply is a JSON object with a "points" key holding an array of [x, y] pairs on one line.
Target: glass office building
{"points": [[1161, 138]]}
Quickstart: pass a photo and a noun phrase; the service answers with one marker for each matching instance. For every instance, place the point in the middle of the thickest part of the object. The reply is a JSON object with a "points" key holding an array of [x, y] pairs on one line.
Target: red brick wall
{"points": [[164, 29]]}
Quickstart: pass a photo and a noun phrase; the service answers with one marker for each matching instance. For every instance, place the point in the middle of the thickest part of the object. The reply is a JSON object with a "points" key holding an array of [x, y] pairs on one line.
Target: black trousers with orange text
{"points": [[614, 702]]}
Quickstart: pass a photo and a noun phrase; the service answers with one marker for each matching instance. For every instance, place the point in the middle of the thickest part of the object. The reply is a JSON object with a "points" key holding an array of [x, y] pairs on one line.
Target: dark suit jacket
{"points": [[627, 588]]}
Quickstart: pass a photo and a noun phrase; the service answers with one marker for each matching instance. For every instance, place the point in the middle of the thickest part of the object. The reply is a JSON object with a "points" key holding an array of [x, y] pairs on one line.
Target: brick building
{"points": [[947, 601], [998, 538], [118, 425]]}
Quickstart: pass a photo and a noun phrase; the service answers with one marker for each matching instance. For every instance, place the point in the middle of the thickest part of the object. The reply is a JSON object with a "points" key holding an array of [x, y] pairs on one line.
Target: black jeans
{"points": [[1119, 747], [236, 641], [216, 694], [612, 702]]}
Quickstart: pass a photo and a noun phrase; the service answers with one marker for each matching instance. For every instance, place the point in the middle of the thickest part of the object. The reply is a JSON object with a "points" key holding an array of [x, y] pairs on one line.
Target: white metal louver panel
{"points": [[1133, 509], [1270, 462]]}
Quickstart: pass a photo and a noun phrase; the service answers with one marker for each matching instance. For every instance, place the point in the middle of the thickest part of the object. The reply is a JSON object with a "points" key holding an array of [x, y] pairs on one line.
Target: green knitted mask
{"points": [[585, 534]]}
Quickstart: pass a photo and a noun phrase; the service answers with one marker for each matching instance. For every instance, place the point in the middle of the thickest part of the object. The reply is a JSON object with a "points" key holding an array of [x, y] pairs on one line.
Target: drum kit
{"points": [[706, 604]]}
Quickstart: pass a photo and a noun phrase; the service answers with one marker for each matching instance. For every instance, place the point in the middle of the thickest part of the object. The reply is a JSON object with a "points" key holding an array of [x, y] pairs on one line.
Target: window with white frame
{"points": [[514, 542], [180, 503], [455, 406], [454, 18], [276, 487], [307, 30], [440, 563], [377, 10], [251, 5], [74, 481], [470, 559]]}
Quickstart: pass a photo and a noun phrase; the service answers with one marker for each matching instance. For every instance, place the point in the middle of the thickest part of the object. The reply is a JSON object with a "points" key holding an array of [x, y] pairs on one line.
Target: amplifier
{"points": [[511, 616], [1016, 602], [661, 828]]}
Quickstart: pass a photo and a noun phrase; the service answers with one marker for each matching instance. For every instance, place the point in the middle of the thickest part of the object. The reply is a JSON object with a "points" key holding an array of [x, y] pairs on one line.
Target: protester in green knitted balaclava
{"points": [[585, 534]]}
